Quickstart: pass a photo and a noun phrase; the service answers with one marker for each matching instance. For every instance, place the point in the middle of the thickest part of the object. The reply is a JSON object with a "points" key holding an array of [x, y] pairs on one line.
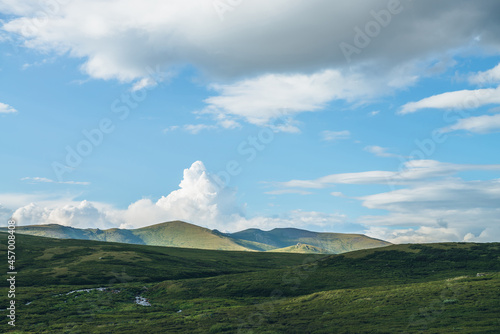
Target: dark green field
{"points": [[430, 288]]}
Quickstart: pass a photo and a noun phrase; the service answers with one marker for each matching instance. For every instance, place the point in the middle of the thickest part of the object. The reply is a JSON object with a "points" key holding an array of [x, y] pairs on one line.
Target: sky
{"points": [[378, 117]]}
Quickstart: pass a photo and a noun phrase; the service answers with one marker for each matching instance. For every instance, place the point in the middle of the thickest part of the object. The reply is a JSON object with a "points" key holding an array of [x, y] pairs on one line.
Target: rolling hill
{"points": [[185, 235], [334, 243]]}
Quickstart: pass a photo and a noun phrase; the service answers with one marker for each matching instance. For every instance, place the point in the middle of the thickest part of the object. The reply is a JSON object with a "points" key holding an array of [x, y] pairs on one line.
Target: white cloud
{"points": [[199, 200], [335, 135], [380, 151], [119, 39], [486, 77], [196, 128], [448, 210], [272, 96], [6, 109], [144, 83], [462, 99], [46, 180], [478, 124], [442, 195], [296, 66], [83, 215], [423, 234], [410, 172]]}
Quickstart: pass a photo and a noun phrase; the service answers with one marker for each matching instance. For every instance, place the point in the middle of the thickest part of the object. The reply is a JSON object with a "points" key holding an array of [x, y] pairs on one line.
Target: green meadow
{"points": [[421, 288]]}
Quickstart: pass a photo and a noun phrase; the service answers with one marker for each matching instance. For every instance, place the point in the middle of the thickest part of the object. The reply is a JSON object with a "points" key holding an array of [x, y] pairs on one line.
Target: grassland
{"points": [[430, 288]]}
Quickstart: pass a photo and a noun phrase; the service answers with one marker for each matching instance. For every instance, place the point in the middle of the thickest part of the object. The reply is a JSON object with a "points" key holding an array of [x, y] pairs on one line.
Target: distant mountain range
{"points": [[185, 235]]}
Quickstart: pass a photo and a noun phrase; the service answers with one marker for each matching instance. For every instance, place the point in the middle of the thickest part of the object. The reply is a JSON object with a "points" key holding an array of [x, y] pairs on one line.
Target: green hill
{"points": [[428, 288], [181, 234], [333, 243]]}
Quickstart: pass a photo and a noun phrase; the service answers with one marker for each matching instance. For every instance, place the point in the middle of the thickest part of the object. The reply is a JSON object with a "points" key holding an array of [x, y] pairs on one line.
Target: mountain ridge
{"points": [[186, 235]]}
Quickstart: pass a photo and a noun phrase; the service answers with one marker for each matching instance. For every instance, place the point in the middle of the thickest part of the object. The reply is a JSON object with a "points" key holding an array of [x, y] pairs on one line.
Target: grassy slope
{"points": [[301, 248], [180, 234], [400, 288]]}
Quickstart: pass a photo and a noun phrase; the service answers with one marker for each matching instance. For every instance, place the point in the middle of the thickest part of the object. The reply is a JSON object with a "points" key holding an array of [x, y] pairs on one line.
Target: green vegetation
{"points": [[46, 261], [429, 288], [181, 234]]}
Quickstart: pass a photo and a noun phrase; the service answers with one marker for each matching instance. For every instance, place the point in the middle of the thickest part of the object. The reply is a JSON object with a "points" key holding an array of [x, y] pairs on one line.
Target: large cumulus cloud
{"points": [[314, 51], [199, 200], [119, 39]]}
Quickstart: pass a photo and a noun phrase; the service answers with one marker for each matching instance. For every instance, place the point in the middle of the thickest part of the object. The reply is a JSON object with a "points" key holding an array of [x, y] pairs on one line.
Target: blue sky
{"points": [[380, 118]]}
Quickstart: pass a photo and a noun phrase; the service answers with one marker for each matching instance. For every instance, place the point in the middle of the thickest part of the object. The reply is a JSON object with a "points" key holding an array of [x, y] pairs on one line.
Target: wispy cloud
{"points": [[46, 180], [380, 151], [411, 172], [463, 99], [479, 124], [191, 128], [288, 191], [335, 135], [197, 128]]}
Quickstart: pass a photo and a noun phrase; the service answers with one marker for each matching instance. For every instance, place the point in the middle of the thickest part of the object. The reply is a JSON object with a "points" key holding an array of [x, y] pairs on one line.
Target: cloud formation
{"points": [[451, 210], [486, 77], [466, 99], [433, 206], [47, 180], [120, 39], [411, 171], [267, 59], [6, 109], [199, 200], [84, 215], [271, 96]]}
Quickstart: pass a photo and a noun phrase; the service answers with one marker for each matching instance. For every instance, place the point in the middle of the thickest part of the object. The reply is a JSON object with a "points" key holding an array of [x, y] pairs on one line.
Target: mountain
{"points": [[333, 243], [181, 234], [185, 235]]}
